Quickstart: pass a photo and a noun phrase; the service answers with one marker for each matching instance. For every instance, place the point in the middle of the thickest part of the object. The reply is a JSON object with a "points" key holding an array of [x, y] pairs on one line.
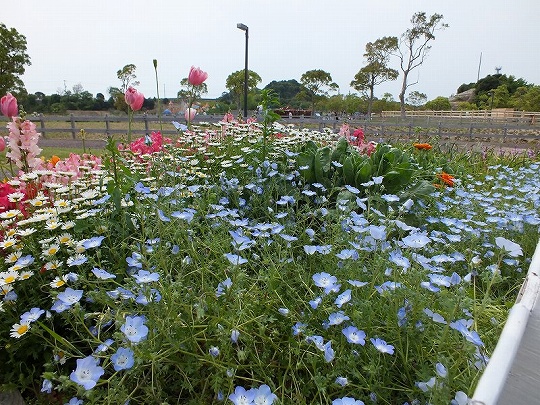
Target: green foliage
{"points": [[287, 91], [235, 84], [318, 84], [13, 59], [438, 104]]}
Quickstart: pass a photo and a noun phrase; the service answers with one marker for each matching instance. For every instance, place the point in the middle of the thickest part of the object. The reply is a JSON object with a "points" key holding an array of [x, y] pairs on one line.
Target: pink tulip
{"points": [[8, 105], [196, 76], [134, 98], [190, 114], [2, 144]]}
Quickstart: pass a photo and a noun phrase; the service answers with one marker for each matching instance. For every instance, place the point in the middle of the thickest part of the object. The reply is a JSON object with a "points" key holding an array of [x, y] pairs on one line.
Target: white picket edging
{"points": [[493, 379]]}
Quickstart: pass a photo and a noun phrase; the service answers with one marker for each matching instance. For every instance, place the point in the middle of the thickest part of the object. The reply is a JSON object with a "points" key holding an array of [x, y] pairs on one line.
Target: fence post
{"points": [[439, 130], [42, 125], [72, 126], [505, 131], [107, 126], [410, 130], [471, 130], [146, 123]]}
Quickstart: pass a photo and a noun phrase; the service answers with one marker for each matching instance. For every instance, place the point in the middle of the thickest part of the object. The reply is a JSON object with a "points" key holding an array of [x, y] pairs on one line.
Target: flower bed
{"points": [[233, 265]]}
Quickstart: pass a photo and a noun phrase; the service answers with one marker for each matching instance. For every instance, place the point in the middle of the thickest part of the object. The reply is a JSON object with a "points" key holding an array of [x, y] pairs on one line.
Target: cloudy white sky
{"points": [[86, 42]]}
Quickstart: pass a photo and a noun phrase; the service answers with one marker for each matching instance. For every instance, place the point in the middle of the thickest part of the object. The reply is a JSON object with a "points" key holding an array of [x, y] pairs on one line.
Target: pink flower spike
{"points": [[196, 76], [134, 98], [8, 105]]}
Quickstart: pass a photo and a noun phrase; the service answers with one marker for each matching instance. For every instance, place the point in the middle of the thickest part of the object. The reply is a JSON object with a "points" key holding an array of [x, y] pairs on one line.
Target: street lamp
{"points": [[245, 28]]}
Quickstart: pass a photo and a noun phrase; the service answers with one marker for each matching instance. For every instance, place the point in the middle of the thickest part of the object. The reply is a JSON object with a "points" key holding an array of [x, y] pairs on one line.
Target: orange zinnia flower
{"points": [[422, 146], [447, 179], [54, 160]]}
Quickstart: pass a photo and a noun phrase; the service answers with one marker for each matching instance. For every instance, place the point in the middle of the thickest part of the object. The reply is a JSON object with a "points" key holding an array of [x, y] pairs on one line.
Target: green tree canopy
{"points": [[13, 59], [376, 71], [235, 84], [318, 84], [439, 104], [286, 90]]}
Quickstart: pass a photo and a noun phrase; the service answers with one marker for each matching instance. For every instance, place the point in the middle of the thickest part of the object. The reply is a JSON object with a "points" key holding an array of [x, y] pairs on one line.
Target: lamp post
{"points": [[245, 28]]}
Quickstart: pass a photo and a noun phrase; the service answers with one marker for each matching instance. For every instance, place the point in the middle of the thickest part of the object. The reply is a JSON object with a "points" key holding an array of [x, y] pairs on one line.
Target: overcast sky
{"points": [[86, 42]]}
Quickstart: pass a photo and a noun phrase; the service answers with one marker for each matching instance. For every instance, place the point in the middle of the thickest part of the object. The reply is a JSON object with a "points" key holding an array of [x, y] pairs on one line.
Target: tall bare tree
{"points": [[414, 47]]}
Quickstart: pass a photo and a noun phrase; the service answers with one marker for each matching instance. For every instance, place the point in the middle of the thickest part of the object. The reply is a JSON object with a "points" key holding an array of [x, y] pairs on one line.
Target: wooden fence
{"points": [[414, 127]]}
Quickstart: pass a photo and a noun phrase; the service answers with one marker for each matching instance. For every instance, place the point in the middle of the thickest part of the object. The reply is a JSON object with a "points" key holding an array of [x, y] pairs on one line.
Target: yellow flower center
{"points": [[22, 329], [10, 279]]}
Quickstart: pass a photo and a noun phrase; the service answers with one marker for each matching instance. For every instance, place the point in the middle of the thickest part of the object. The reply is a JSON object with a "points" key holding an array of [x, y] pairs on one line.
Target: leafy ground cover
{"points": [[246, 264]]}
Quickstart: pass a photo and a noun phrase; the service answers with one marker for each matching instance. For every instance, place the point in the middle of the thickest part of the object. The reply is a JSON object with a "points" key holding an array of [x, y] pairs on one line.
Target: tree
{"points": [[286, 90], [127, 76], [13, 59], [189, 92], [416, 99], [318, 83], [376, 71], [439, 104], [413, 47], [235, 84]]}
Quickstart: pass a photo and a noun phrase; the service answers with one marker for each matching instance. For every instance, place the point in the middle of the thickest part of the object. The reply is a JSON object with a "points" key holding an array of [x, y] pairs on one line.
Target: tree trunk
{"points": [[402, 95], [370, 102]]}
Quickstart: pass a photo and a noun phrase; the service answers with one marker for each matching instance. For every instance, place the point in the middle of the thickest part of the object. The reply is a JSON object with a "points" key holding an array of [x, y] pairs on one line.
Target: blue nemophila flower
{"points": [[354, 335], [512, 248], [415, 241], [242, 397], [434, 316], [93, 242], [347, 254], [342, 381], [427, 385], [24, 261], [76, 260], [329, 353], [264, 396], [87, 372], [314, 303], [102, 274], [222, 286], [357, 283], [460, 399], [162, 216], [144, 276], [241, 242], [382, 346], [235, 334], [134, 328], [462, 326], [337, 318], [145, 297], [377, 232], [187, 215], [47, 386], [214, 351], [299, 328], [325, 280], [134, 260], [31, 316], [398, 259], [103, 347], [235, 260], [74, 401], [343, 298], [59, 306], [318, 340], [347, 401], [441, 370], [70, 296], [286, 199], [283, 311], [388, 286], [141, 188]]}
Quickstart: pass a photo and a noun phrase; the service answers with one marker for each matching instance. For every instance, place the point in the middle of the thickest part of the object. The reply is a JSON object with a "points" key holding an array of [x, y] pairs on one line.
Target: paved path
{"points": [[522, 385]]}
